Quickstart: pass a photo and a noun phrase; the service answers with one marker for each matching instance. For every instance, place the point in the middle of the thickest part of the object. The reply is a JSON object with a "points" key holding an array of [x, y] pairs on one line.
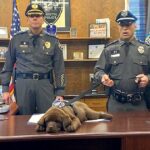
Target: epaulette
{"points": [[143, 42], [111, 43], [20, 32], [45, 32]]}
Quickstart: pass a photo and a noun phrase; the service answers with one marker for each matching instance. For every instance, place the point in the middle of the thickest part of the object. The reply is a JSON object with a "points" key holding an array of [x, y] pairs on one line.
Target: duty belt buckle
{"points": [[36, 76]]}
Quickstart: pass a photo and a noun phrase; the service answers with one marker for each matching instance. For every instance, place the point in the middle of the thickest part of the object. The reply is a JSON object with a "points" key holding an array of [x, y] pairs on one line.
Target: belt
{"points": [[123, 97], [34, 76]]}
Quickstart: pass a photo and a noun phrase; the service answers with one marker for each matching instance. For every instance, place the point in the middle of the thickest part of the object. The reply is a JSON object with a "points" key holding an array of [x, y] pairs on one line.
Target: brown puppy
{"points": [[68, 118]]}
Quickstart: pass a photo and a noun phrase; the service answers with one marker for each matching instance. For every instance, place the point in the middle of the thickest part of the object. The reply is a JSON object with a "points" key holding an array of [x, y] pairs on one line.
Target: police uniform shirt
{"points": [[121, 67], [34, 54]]}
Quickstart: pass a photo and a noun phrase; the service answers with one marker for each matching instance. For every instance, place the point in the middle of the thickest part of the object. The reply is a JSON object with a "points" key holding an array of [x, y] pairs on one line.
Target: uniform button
{"points": [[141, 62], [46, 52], [114, 62], [23, 51]]}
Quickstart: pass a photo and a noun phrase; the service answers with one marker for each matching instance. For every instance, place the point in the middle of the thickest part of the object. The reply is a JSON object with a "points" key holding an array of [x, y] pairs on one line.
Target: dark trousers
{"points": [[33, 96]]}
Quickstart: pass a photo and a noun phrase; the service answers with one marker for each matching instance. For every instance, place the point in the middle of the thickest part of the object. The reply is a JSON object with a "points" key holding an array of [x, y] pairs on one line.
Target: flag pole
{"points": [[15, 27]]}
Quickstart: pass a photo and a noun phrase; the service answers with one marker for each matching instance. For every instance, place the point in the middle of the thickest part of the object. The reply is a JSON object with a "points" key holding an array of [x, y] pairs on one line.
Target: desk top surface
{"points": [[122, 124]]}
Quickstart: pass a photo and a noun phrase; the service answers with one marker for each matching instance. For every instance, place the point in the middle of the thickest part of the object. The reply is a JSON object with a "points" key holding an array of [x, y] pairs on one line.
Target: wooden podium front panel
{"points": [[141, 142], [74, 144], [98, 104]]}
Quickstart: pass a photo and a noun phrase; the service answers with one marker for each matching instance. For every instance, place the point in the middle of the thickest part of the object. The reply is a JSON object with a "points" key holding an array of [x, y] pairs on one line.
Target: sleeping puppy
{"points": [[68, 118]]}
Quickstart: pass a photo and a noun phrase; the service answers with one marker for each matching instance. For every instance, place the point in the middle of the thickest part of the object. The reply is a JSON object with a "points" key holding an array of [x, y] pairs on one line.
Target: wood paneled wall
{"points": [[83, 12]]}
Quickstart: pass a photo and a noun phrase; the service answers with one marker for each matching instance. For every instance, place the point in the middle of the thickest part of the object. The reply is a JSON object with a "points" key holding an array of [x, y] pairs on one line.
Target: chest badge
{"points": [[141, 49], [47, 44]]}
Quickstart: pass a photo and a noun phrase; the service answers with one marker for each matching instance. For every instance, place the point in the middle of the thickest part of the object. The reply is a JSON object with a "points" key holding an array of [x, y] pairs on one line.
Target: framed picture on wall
{"points": [[57, 12], [64, 50], [73, 32], [3, 32], [78, 55], [94, 51], [98, 30]]}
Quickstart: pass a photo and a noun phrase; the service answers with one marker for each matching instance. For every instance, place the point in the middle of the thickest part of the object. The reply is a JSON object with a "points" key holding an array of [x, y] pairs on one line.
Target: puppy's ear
{"points": [[40, 128], [41, 125]]}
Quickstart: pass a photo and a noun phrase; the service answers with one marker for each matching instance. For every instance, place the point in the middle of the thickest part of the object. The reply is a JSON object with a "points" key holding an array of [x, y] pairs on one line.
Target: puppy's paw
{"points": [[40, 128], [70, 128], [66, 122], [73, 127]]}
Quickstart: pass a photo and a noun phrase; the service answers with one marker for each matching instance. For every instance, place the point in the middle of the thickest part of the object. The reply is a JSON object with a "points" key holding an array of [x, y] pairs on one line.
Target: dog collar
{"points": [[60, 104]]}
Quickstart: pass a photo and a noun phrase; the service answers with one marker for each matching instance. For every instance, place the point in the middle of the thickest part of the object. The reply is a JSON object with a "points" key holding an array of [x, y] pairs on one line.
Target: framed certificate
{"points": [[78, 55], [64, 50], [3, 33], [3, 51], [73, 32], [95, 51], [98, 30]]}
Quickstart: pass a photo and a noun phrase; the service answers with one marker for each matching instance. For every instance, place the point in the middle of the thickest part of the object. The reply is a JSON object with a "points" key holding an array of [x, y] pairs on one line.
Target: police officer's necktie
{"points": [[35, 37], [127, 44]]}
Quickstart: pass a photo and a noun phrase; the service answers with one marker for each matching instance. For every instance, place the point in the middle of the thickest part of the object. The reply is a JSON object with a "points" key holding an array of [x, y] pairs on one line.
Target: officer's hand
{"points": [[142, 80], [60, 98], [107, 81], [6, 97]]}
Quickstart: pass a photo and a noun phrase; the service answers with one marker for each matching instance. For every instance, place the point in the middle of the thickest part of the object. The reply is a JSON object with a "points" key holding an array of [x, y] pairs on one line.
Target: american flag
{"points": [[15, 26]]}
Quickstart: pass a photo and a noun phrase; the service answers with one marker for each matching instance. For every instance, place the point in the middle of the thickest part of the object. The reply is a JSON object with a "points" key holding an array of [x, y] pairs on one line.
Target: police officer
{"points": [[39, 73], [124, 67]]}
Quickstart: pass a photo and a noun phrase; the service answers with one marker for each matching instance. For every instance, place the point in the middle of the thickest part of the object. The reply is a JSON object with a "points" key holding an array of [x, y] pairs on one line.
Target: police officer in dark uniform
{"points": [[39, 73], [124, 67]]}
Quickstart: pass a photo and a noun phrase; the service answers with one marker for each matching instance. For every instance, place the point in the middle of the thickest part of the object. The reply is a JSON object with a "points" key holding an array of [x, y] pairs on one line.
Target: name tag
{"points": [[115, 55], [24, 44]]}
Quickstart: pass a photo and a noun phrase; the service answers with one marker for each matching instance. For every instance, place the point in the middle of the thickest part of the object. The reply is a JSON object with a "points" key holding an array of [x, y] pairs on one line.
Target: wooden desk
{"points": [[127, 131]]}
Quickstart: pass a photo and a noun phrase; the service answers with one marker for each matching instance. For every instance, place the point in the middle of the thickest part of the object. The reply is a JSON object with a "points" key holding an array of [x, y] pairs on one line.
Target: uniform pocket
{"points": [[141, 61], [48, 52], [47, 55], [24, 50], [115, 61], [141, 65]]}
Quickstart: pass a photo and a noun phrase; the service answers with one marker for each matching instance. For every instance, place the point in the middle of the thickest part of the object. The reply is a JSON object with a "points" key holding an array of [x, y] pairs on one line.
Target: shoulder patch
{"points": [[141, 41], [111, 43]]}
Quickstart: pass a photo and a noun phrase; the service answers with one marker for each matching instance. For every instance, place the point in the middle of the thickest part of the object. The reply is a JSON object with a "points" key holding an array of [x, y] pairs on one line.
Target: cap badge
{"points": [[47, 44], [124, 13], [34, 6], [141, 49]]}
